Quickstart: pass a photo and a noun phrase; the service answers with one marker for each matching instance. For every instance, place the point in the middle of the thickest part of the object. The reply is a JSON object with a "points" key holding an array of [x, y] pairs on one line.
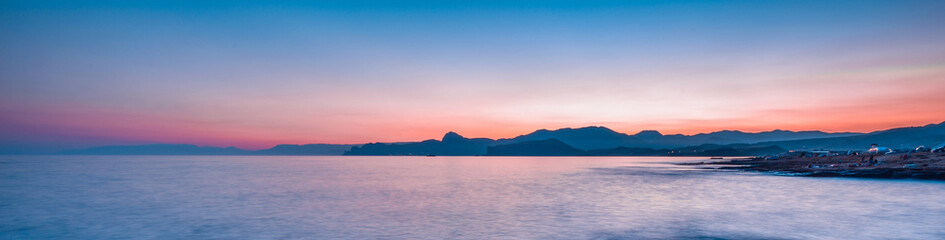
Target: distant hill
{"points": [[546, 147], [583, 138], [452, 144], [307, 149], [898, 138], [588, 138], [188, 149], [158, 149], [593, 141], [733, 137], [554, 147], [592, 138]]}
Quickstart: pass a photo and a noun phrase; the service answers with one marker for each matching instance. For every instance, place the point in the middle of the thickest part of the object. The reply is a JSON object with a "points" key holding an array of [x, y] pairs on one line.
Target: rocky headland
{"points": [[919, 165]]}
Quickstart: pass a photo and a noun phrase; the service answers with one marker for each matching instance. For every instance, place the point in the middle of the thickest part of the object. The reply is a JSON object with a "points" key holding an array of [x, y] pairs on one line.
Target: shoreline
{"points": [[922, 165]]}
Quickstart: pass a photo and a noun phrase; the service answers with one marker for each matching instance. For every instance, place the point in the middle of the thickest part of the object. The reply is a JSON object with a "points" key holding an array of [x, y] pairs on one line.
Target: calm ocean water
{"points": [[226, 197]]}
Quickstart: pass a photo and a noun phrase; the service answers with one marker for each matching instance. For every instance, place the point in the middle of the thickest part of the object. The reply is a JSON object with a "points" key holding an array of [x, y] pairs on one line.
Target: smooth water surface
{"points": [[316, 197]]}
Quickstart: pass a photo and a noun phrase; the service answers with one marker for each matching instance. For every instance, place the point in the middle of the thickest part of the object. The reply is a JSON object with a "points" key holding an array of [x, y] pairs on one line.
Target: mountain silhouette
{"points": [[554, 147], [545, 147], [593, 141], [307, 149], [898, 138], [733, 136], [585, 138], [590, 138], [452, 144]]}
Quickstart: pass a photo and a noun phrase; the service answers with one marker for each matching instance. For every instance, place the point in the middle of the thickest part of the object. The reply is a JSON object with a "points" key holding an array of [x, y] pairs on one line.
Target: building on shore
{"points": [[940, 148], [875, 148]]}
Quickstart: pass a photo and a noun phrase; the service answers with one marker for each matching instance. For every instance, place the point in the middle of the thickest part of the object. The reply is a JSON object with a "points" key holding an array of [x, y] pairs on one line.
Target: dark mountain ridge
{"points": [[554, 147], [544, 147], [930, 135], [306, 149], [594, 141], [595, 137], [452, 144]]}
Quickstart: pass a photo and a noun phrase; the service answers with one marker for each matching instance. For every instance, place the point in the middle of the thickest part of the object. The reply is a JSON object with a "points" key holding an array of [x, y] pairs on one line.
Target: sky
{"points": [[252, 75]]}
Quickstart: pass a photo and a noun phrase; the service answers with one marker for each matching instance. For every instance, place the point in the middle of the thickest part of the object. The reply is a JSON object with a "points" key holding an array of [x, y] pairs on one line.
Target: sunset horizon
{"points": [[485, 119], [438, 135], [256, 74]]}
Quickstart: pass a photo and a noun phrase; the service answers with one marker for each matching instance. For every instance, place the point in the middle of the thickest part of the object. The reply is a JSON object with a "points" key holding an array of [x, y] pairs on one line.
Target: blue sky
{"points": [[254, 74]]}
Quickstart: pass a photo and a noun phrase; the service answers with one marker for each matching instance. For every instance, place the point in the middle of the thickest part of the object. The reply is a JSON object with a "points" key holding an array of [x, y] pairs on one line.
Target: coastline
{"points": [[922, 165]]}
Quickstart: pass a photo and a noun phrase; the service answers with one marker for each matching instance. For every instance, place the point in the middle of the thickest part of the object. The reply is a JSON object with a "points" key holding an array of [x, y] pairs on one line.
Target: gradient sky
{"points": [[251, 75]]}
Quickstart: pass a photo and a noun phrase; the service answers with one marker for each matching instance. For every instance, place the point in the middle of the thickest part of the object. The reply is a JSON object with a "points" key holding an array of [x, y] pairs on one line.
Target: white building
{"points": [[877, 149]]}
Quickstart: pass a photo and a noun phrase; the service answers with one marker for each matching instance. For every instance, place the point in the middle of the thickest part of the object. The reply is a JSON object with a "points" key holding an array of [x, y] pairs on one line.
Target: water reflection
{"points": [[94, 197]]}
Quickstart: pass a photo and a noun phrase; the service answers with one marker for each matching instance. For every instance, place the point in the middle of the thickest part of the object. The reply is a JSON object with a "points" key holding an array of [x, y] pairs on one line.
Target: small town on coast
{"points": [[873, 162]]}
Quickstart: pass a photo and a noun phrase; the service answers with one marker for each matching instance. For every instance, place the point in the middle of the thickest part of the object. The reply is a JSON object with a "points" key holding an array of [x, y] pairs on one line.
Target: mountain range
{"points": [[585, 141], [931, 135], [592, 140]]}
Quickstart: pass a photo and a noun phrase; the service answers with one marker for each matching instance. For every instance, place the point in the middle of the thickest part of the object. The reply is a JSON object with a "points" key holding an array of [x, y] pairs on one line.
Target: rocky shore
{"points": [[922, 165]]}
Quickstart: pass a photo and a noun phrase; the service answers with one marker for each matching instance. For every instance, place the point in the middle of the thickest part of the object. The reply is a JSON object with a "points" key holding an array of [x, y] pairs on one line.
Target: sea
{"points": [[382, 197]]}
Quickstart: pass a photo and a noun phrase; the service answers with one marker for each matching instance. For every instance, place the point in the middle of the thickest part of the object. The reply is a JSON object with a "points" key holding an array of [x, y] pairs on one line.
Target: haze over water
{"points": [[316, 197]]}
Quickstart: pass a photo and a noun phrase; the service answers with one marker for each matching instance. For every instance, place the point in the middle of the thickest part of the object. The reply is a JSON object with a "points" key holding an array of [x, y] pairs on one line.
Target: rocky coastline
{"points": [[920, 165]]}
